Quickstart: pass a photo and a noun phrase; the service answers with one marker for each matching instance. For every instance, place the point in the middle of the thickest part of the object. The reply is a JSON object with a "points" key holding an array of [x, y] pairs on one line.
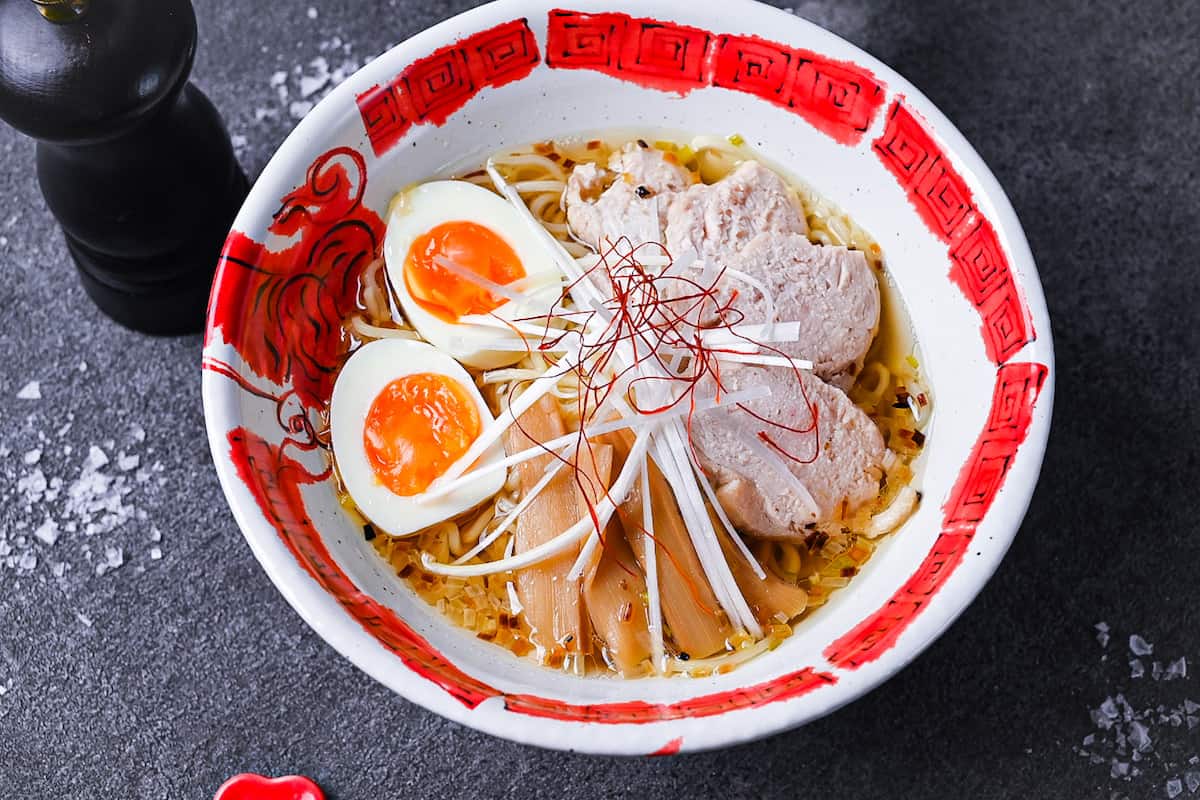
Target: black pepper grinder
{"points": [[133, 160]]}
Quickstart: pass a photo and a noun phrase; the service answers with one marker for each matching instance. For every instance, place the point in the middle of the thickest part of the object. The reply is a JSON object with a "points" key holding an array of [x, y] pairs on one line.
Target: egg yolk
{"points": [[471, 246], [416, 428]]}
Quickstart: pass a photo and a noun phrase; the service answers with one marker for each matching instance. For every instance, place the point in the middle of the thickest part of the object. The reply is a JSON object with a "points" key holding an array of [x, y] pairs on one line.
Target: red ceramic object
{"points": [[249, 786]]}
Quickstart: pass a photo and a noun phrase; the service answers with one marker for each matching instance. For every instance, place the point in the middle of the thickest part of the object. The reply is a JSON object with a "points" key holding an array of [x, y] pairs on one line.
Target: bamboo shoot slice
{"points": [[616, 607], [772, 599], [698, 626], [553, 606]]}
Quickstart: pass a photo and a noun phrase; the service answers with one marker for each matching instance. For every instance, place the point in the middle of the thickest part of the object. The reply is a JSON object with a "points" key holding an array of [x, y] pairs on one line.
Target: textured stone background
{"points": [[161, 678]]}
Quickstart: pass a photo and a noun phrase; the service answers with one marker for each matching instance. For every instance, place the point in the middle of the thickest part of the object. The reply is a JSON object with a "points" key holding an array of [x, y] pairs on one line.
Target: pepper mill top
{"points": [[76, 71]]}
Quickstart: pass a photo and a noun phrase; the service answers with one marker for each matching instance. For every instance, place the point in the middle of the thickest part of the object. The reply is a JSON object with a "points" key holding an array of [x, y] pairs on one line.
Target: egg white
{"points": [[365, 375], [428, 205]]}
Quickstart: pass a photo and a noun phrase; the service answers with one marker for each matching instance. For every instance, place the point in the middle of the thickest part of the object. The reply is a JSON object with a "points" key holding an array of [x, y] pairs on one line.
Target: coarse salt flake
{"points": [[30, 391], [1139, 646], [47, 532]]}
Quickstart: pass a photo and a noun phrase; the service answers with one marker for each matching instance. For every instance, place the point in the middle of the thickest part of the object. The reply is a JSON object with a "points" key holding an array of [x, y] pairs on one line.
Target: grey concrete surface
{"points": [[163, 676]]}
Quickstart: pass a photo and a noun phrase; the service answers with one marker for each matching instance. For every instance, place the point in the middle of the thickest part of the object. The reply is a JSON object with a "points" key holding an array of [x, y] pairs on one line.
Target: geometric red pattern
{"points": [[1013, 399], [938, 192], [838, 98], [979, 267], [941, 197], [432, 88], [659, 55]]}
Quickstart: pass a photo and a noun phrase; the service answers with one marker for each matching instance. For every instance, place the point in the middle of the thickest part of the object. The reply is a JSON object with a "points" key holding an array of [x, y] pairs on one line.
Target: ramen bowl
{"points": [[520, 71]]}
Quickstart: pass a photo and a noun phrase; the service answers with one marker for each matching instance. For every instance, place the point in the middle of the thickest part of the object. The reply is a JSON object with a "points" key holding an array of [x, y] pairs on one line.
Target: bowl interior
{"points": [[952, 246]]}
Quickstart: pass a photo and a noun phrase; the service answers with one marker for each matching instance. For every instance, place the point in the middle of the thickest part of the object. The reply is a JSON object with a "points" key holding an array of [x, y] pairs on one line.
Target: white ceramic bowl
{"points": [[518, 71]]}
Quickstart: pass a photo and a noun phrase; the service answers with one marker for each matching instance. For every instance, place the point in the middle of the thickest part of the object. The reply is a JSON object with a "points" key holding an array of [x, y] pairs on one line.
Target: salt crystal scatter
{"points": [[1176, 669], [311, 84], [126, 463], [1139, 646], [115, 556], [83, 366], [28, 560], [312, 13], [30, 391], [139, 433], [1119, 769], [1193, 781], [1136, 668], [32, 485], [1139, 737], [155, 553], [278, 78], [96, 458], [299, 108], [1174, 787], [32, 457], [84, 618], [1156, 670], [47, 532], [58, 569], [155, 535]]}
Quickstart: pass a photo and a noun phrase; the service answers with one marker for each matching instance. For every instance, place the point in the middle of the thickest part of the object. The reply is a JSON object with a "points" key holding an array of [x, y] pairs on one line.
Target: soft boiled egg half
{"points": [[477, 233], [402, 414]]}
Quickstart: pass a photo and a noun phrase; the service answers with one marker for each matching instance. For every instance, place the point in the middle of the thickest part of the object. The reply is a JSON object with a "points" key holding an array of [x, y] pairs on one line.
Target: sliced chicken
{"points": [[831, 291], [713, 222], [834, 469], [628, 199]]}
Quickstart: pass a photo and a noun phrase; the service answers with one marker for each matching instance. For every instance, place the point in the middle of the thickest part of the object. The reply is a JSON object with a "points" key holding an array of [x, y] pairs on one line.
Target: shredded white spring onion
{"points": [[667, 452], [554, 468], [443, 486], [650, 558], [750, 358], [560, 543], [492, 433], [719, 510], [498, 289], [768, 295], [738, 335], [514, 602]]}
